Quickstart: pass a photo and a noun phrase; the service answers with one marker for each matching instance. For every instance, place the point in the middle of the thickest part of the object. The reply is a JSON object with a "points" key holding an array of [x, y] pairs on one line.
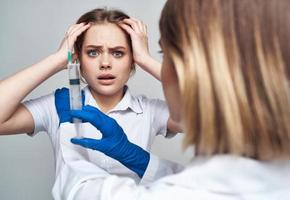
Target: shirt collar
{"points": [[127, 102]]}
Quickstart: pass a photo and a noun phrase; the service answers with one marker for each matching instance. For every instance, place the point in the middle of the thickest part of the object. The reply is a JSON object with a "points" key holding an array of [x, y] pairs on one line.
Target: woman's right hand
{"points": [[69, 40]]}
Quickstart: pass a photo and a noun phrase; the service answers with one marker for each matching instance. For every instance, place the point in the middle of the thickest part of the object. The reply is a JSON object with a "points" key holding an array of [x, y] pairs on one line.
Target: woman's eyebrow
{"points": [[94, 46], [118, 47], [100, 47]]}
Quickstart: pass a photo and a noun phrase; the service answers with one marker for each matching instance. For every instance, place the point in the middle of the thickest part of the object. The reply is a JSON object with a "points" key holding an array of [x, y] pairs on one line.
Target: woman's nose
{"points": [[105, 62]]}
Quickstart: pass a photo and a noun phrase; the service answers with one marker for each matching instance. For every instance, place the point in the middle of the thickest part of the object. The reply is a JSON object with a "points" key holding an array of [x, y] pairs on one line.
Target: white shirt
{"points": [[219, 177], [141, 119]]}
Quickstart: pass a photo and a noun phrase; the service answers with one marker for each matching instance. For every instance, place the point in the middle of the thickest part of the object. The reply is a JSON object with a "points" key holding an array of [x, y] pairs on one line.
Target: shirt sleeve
{"points": [[43, 112], [158, 168], [160, 115]]}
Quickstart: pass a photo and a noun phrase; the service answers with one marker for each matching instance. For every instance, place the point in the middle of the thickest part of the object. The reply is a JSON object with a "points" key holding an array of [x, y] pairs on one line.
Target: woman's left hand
{"points": [[138, 33]]}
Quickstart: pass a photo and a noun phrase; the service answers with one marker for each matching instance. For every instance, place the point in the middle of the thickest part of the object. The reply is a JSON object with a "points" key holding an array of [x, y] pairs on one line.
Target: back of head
{"points": [[232, 59]]}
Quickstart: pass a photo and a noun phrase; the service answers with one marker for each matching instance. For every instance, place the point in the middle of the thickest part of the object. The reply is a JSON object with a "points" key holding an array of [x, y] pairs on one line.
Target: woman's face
{"points": [[171, 88], [106, 59]]}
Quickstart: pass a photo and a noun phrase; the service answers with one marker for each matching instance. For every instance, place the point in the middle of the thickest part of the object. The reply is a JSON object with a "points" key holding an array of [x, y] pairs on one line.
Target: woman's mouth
{"points": [[106, 79]]}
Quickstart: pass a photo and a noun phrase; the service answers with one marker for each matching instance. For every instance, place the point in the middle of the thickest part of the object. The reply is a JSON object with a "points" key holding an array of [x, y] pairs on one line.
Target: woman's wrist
{"points": [[151, 66], [59, 60], [142, 61]]}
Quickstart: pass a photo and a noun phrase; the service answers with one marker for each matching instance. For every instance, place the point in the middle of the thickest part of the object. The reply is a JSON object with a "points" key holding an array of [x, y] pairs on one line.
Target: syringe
{"points": [[74, 89], [75, 98]]}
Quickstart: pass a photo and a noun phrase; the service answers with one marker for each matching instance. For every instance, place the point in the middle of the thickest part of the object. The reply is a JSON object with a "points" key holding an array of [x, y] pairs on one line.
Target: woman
{"points": [[227, 65], [106, 56]]}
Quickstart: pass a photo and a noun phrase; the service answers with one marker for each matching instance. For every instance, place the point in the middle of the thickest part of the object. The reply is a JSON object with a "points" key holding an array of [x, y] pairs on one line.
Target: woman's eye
{"points": [[92, 53], [118, 54]]}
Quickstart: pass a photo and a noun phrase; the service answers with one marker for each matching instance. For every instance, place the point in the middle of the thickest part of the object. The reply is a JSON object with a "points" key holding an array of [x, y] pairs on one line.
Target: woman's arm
{"points": [[138, 33], [15, 118]]}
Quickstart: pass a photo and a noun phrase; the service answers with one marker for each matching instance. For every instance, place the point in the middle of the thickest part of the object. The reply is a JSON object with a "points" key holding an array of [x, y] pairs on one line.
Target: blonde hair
{"points": [[232, 59]]}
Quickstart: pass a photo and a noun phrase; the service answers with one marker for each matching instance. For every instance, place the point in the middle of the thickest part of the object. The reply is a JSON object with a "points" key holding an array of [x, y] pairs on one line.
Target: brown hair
{"points": [[232, 58], [101, 16]]}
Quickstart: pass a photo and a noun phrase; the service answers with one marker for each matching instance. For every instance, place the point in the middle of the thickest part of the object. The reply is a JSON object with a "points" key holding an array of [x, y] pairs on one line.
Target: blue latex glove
{"points": [[114, 142], [62, 104]]}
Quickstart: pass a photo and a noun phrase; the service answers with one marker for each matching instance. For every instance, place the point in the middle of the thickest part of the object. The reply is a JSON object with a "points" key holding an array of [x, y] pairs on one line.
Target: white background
{"points": [[30, 31]]}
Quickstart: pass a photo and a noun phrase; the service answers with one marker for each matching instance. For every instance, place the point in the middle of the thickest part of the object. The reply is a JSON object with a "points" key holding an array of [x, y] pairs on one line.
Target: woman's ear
{"points": [[75, 57]]}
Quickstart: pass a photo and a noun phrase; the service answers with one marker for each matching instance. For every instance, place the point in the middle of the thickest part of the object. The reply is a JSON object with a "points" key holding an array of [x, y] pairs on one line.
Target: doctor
{"points": [[229, 61]]}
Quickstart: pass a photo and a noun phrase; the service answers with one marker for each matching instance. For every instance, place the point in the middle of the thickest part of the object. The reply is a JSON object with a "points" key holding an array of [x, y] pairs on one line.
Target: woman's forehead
{"points": [[107, 34]]}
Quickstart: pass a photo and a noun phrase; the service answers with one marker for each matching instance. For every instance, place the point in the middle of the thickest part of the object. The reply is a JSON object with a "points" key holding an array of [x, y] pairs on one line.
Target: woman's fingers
{"points": [[135, 28], [138, 26], [134, 25], [74, 27], [127, 28], [68, 42], [138, 33], [79, 30], [73, 32], [141, 25]]}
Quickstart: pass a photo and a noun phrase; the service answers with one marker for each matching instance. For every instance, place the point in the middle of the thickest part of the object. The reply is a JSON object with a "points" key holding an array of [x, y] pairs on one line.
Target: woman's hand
{"points": [[69, 40], [138, 33]]}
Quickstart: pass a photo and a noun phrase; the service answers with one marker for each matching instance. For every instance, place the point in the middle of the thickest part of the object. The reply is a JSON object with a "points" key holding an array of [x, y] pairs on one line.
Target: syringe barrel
{"points": [[74, 88], [75, 93]]}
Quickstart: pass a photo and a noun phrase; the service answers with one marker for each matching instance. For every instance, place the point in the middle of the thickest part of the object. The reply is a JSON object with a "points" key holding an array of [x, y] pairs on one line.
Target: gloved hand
{"points": [[114, 142], [62, 104]]}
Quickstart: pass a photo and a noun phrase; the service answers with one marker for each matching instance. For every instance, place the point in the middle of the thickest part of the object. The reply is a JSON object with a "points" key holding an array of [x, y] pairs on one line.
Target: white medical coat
{"points": [[73, 158], [219, 177]]}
